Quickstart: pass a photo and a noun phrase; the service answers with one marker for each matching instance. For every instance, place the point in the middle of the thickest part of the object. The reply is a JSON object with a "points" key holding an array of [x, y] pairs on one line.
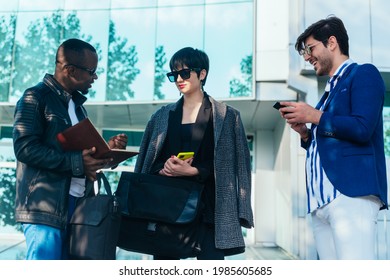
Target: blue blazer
{"points": [[350, 134]]}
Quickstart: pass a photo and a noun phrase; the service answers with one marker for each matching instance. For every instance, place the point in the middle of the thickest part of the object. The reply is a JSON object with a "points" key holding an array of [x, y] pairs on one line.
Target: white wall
{"points": [[272, 40]]}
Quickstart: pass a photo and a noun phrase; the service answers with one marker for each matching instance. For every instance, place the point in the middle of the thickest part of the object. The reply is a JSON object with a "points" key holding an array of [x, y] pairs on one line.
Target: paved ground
{"points": [[12, 247]]}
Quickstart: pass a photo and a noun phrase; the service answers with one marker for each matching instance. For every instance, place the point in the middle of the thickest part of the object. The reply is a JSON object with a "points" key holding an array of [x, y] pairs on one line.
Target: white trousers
{"points": [[345, 229]]}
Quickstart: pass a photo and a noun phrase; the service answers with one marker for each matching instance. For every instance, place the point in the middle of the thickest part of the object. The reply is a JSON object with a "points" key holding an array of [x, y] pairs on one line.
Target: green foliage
{"points": [[238, 87], [159, 74], [7, 31], [121, 70], [7, 196]]}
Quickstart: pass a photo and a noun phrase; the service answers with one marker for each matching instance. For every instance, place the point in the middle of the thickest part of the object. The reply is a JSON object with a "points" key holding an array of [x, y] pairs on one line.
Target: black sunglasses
{"points": [[184, 74], [91, 72]]}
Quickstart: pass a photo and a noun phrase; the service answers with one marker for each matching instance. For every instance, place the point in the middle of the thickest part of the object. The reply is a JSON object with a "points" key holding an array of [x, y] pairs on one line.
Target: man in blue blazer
{"points": [[345, 162]]}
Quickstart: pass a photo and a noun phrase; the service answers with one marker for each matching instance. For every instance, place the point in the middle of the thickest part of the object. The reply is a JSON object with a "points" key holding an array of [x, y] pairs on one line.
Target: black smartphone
{"points": [[277, 105]]}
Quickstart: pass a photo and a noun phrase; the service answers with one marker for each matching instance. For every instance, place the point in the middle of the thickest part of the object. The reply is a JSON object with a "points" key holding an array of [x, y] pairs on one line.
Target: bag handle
{"points": [[101, 177]]}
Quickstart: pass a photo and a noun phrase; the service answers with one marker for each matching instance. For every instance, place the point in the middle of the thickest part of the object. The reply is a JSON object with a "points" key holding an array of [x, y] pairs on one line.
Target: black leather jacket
{"points": [[44, 171]]}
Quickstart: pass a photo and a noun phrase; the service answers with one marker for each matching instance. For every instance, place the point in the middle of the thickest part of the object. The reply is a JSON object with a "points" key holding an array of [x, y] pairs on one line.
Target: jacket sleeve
{"points": [[34, 139], [306, 144], [243, 174], [144, 146]]}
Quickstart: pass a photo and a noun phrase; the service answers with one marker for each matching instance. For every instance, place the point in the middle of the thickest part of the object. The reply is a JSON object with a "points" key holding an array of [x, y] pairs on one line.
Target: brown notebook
{"points": [[84, 135]]}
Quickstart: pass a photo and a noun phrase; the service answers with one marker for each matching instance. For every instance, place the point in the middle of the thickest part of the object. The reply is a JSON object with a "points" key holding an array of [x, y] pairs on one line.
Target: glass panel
{"points": [[88, 28], [40, 5], [229, 44], [135, 42], [86, 5], [223, 1], [7, 197], [6, 132], [120, 4], [6, 150], [131, 64], [37, 37], [380, 38], [174, 32], [176, 3], [7, 43]]}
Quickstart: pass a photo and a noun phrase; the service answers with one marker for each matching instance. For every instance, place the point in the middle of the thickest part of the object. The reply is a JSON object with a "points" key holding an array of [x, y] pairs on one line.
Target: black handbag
{"points": [[160, 215], [94, 226]]}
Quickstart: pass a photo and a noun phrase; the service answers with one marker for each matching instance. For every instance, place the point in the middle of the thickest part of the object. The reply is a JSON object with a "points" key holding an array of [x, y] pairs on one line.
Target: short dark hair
{"points": [[73, 47], [322, 30], [192, 58]]}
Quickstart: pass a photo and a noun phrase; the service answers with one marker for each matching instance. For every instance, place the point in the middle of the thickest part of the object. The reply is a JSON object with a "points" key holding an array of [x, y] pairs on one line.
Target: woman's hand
{"points": [[177, 167]]}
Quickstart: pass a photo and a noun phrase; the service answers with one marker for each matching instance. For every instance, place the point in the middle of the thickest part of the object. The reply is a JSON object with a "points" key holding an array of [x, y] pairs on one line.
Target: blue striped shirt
{"points": [[320, 191]]}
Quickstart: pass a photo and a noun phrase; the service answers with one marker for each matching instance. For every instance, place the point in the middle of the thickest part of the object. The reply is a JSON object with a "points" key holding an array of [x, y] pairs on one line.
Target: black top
{"points": [[195, 137]]}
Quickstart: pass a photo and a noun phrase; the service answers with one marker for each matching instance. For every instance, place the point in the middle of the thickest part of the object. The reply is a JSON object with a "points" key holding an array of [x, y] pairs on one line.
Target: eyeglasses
{"points": [[308, 49], [184, 74], [91, 72]]}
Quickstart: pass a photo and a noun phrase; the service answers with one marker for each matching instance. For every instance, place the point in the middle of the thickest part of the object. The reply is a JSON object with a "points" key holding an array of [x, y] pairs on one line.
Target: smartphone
{"points": [[277, 105], [185, 155]]}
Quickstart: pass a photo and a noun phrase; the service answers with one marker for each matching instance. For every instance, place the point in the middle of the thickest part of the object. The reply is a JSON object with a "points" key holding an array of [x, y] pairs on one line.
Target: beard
{"points": [[325, 67]]}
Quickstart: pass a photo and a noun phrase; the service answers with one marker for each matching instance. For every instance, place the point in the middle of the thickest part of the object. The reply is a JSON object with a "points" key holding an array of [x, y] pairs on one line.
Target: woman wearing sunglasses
{"points": [[215, 134]]}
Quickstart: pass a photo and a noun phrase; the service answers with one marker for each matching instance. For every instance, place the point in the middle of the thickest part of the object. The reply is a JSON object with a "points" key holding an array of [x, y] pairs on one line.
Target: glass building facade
{"points": [[135, 40]]}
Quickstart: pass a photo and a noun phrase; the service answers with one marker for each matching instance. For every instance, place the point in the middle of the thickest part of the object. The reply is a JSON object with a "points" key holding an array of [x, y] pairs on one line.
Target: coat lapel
{"points": [[339, 84], [219, 114], [175, 117]]}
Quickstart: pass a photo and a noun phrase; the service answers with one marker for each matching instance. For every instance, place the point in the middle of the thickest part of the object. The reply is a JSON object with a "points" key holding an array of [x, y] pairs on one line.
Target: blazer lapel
{"points": [[219, 114], [175, 117], [339, 84]]}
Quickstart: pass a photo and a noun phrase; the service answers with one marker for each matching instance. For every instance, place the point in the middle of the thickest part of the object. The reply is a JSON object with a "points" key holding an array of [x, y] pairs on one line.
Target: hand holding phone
{"points": [[277, 105], [185, 155]]}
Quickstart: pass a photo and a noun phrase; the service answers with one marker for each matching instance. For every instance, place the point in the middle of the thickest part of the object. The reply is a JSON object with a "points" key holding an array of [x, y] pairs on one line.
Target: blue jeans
{"points": [[46, 242]]}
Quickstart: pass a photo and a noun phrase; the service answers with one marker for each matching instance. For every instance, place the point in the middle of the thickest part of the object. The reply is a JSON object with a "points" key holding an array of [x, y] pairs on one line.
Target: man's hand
{"points": [[91, 165], [118, 141], [300, 113]]}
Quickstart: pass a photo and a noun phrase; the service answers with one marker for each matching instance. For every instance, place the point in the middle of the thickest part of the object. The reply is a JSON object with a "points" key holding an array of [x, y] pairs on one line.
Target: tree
{"points": [[159, 74], [7, 41], [243, 88], [121, 70], [36, 55]]}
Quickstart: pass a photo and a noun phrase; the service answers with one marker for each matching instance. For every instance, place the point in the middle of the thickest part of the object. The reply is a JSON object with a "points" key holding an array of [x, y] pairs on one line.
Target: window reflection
{"points": [[136, 27], [7, 29], [134, 40]]}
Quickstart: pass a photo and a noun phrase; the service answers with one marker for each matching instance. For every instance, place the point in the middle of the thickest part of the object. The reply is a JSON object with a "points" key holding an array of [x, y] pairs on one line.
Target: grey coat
{"points": [[232, 169]]}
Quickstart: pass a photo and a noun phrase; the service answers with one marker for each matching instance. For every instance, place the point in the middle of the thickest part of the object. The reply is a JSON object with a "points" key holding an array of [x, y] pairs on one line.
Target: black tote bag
{"points": [[94, 226], [160, 215]]}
